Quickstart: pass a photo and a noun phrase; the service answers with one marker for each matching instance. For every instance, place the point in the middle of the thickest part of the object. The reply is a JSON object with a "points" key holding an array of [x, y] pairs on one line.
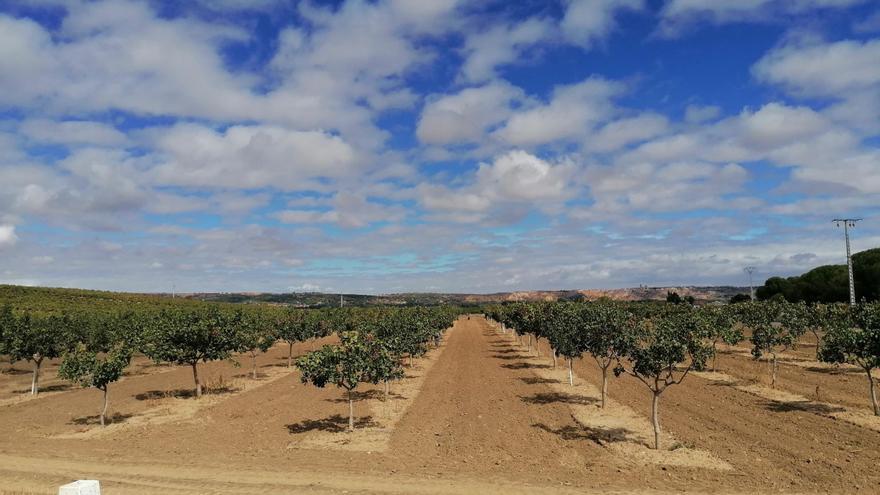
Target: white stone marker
{"points": [[81, 487]]}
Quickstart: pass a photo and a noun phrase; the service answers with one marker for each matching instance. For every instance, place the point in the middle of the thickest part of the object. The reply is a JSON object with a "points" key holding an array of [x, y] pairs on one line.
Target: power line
{"points": [[847, 223]]}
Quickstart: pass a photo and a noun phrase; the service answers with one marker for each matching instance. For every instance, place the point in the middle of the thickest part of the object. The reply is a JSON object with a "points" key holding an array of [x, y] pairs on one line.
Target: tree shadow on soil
{"points": [[835, 371], [15, 372], [333, 424], [510, 357], [359, 395], [508, 350], [596, 434], [557, 397], [48, 388], [96, 419], [525, 366], [534, 380], [184, 393], [803, 406]]}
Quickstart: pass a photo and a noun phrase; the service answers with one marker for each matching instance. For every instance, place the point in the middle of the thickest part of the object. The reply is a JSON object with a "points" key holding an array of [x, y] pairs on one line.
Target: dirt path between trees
{"points": [[484, 421]]}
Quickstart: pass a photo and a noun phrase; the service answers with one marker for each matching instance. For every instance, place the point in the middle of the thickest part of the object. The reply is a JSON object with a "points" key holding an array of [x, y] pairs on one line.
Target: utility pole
{"points": [[173, 290], [341, 301], [847, 223], [750, 270]]}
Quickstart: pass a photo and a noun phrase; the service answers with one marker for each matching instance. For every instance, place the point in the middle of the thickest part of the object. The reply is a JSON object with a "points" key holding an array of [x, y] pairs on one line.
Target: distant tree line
{"points": [[828, 283]]}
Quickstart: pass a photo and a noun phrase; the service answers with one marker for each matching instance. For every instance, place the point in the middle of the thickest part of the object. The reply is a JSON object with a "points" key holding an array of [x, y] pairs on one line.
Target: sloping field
{"points": [[479, 415]]}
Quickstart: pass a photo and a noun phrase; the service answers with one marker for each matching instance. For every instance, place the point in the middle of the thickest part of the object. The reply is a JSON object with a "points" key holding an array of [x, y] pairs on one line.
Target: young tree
{"points": [[856, 340], [89, 369], [299, 325], [256, 335], [663, 350], [7, 330], [776, 327], [358, 358], [35, 339], [719, 325], [562, 326], [187, 336], [607, 331]]}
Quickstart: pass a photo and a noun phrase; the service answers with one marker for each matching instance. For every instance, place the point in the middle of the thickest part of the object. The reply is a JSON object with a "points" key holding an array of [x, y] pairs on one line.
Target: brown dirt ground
{"points": [[484, 422]]}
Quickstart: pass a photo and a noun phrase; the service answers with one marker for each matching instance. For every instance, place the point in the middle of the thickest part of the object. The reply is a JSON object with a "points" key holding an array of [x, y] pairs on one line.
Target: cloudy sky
{"points": [[433, 145]]}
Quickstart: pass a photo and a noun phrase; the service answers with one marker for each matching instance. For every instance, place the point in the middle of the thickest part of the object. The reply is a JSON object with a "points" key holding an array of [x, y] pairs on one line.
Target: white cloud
{"points": [[500, 45], [823, 69], [350, 210], [468, 115], [622, 132], [696, 114], [516, 178], [8, 237], [676, 14], [249, 157], [571, 112], [587, 21], [73, 132]]}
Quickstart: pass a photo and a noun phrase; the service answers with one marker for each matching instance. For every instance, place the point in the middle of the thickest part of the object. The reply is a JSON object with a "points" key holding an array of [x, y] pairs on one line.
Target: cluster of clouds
{"points": [[381, 146]]}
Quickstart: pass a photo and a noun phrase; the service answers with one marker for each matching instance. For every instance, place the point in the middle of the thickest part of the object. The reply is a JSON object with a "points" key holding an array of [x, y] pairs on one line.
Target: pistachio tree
{"points": [[90, 369], [607, 335], [189, 336], [358, 358], [855, 339], [300, 325], [776, 327], [37, 338], [719, 325], [662, 350], [256, 335]]}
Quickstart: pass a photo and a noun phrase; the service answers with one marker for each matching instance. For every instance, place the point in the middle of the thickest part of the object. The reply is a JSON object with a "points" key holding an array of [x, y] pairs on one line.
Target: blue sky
{"points": [[438, 145]]}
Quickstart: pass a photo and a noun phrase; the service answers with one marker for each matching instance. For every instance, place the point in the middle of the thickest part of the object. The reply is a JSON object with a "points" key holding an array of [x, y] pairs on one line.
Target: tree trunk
{"points": [[386, 391], [873, 393], [604, 383], [254, 368], [350, 412], [570, 374], [773, 373], [35, 381], [196, 379], [104, 410], [554, 358], [714, 359], [655, 418], [530, 342], [289, 354]]}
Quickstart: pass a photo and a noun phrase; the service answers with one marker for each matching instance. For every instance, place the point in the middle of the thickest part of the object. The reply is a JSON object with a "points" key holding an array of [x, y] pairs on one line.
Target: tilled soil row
{"points": [[774, 446]]}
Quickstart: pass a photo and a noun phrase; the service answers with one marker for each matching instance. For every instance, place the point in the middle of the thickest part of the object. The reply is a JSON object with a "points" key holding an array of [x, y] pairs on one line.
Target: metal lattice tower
{"points": [[847, 223], [750, 270]]}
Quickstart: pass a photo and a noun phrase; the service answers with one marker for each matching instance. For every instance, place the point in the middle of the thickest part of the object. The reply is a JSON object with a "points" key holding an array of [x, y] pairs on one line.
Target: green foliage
{"points": [[185, 336], [188, 336], [740, 298], [359, 357], [90, 369], [856, 340], [829, 283], [664, 344], [776, 326]]}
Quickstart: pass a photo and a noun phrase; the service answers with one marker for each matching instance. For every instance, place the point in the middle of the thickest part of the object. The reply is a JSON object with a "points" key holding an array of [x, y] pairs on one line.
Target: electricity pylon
{"points": [[847, 223]]}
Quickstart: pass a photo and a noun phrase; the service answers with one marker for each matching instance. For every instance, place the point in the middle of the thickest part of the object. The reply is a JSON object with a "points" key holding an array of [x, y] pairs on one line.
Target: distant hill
{"points": [[52, 299], [829, 283], [314, 299]]}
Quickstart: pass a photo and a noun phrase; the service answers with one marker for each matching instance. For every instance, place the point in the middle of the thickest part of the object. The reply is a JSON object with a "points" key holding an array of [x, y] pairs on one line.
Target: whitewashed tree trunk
{"points": [[104, 409], [570, 374]]}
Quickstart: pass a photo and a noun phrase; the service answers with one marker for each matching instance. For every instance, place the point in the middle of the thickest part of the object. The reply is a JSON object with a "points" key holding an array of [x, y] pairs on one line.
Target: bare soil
{"points": [[486, 419]]}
